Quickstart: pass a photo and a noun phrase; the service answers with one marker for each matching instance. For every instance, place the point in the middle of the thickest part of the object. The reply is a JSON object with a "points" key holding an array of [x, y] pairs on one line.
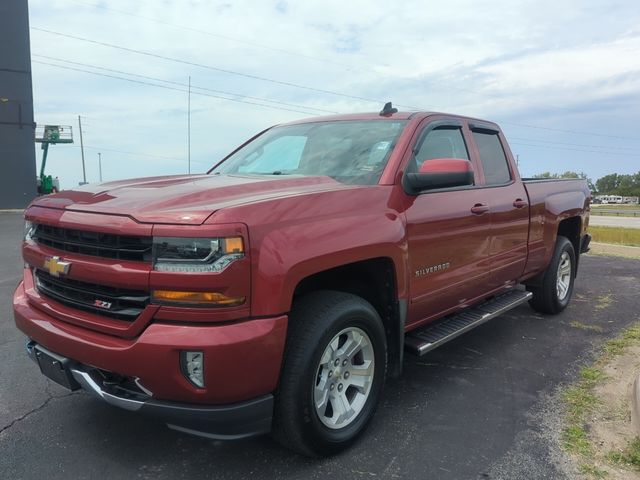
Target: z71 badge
{"points": [[102, 304]]}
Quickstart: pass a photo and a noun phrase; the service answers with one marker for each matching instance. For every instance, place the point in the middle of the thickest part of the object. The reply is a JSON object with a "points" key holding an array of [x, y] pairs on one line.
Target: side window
{"points": [[442, 143], [494, 161], [282, 154]]}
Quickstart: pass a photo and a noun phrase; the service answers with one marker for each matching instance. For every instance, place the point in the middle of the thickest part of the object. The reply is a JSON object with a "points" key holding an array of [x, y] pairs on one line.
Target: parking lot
{"points": [[479, 407]]}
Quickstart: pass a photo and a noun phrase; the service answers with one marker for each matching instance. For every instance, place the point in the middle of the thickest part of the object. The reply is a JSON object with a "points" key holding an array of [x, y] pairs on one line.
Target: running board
{"points": [[424, 339]]}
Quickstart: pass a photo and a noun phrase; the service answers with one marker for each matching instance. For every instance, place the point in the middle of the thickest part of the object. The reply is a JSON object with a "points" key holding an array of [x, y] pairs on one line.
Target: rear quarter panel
{"points": [[552, 201]]}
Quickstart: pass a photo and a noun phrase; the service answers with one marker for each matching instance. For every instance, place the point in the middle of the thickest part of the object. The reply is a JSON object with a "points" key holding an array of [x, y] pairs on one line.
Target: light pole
{"points": [[100, 165], [84, 171], [189, 128]]}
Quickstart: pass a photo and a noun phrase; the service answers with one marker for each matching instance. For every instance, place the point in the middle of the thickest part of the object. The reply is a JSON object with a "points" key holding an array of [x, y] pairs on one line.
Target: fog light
{"points": [[192, 364]]}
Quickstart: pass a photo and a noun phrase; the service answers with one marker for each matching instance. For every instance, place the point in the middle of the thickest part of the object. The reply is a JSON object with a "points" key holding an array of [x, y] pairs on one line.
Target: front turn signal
{"points": [[214, 299]]}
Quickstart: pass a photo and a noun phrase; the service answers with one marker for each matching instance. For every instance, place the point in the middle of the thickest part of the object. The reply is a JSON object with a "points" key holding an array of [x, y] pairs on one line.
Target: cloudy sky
{"points": [[561, 77]]}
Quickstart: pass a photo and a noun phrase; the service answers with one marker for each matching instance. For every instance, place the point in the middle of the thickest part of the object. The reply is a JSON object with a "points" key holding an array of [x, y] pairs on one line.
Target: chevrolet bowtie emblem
{"points": [[55, 266]]}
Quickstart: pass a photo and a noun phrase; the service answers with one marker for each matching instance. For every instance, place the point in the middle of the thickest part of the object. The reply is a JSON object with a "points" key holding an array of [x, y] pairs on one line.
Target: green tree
{"points": [[546, 175], [615, 184], [608, 184], [568, 174]]}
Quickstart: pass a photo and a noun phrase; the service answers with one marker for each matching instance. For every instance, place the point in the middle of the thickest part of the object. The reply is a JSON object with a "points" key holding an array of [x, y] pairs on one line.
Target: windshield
{"points": [[353, 152]]}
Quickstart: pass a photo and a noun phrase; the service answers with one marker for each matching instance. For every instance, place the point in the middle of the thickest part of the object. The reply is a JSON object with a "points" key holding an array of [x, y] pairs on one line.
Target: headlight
{"points": [[195, 255], [29, 230]]}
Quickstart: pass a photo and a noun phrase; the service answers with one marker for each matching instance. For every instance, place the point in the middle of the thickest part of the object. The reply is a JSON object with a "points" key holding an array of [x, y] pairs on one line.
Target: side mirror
{"points": [[440, 173]]}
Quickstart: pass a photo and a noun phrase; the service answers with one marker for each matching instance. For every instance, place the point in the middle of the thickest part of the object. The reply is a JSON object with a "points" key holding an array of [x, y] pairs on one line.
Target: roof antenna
{"points": [[388, 110]]}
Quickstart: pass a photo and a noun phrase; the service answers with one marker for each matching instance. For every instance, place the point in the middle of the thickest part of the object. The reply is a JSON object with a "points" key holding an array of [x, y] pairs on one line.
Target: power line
{"points": [[208, 67], [217, 35], [591, 134], [141, 82], [298, 54], [309, 113], [289, 104], [576, 149], [124, 152], [535, 140], [289, 84], [223, 92], [304, 87]]}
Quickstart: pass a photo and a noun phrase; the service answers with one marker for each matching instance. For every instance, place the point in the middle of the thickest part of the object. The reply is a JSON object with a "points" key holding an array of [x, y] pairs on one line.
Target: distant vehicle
{"points": [[277, 292], [611, 199]]}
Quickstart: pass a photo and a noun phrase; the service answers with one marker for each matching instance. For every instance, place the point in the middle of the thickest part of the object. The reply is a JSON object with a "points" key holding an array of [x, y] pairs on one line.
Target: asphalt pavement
{"points": [[481, 407]]}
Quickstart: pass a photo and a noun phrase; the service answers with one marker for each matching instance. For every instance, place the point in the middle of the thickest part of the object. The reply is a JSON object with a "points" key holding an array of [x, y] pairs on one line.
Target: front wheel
{"points": [[334, 369], [554, 293]]}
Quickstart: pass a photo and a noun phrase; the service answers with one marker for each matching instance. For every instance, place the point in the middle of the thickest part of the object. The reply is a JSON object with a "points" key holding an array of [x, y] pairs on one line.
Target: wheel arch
{"points": [[375, 281], [571, 228]]}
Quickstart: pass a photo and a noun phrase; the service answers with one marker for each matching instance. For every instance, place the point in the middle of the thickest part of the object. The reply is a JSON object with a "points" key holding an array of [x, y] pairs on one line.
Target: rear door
{"points": [[448, 230], [508, 202]]}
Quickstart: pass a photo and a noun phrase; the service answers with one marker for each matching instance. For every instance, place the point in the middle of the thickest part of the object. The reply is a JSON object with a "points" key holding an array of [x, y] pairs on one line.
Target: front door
{"points": [[448, 232]]}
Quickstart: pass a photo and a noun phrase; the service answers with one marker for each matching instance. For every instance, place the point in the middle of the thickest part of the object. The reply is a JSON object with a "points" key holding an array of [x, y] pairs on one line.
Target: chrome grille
{"points": [[124, 304], [97, 244]]}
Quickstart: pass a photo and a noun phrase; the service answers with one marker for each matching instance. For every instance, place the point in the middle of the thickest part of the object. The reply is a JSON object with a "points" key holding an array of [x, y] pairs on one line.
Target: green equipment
{"points": [[50, 135]]}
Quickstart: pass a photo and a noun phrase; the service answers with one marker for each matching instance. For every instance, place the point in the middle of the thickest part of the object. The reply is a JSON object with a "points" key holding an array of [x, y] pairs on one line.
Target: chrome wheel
{"points": [[563, 279], [343, 378]]}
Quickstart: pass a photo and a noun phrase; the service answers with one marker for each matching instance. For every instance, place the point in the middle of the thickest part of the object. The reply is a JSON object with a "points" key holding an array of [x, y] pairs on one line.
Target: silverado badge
{"points": [[432, 269], [55, 266]]}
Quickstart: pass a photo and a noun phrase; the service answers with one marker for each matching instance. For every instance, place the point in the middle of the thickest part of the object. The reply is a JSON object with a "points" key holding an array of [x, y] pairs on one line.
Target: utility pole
{"points": [[99, 164], [189, 128], [84, 171]]}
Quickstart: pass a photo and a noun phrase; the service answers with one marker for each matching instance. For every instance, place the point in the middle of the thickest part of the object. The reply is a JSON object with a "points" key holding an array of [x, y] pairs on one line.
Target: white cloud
{"points": [[556, 64]]}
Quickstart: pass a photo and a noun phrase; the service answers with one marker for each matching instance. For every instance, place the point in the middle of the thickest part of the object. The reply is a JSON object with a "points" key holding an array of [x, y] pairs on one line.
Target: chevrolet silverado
{"points": [[277, 291]]}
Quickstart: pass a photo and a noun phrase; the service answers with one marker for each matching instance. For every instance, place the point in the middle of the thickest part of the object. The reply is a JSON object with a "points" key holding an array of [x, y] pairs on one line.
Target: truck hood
{"points": [[182, 199]]}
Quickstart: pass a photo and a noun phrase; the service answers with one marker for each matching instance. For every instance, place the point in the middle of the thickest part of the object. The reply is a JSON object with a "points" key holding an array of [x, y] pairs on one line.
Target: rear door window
{"points": [[493, 159]]}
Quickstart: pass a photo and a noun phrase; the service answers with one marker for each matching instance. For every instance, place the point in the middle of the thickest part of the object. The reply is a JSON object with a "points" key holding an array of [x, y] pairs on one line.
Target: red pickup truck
{"points": [[277, 291]]}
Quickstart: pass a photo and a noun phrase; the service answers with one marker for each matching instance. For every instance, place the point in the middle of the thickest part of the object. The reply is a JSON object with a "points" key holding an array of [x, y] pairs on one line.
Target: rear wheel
{"points": [[554, 293], [333, 373]]}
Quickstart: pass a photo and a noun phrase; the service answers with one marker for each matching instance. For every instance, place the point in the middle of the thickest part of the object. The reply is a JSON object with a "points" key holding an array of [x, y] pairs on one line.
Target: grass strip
{"points": [[629, 457], [616, 235], [581, 401]]}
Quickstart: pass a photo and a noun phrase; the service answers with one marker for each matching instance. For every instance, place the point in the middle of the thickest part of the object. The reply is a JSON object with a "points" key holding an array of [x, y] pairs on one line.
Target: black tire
{"points": [[314, 321], [545, 296]]}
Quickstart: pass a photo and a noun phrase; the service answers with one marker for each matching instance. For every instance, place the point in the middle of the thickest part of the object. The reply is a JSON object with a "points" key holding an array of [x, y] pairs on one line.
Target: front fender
{"points": [[288, 255]]}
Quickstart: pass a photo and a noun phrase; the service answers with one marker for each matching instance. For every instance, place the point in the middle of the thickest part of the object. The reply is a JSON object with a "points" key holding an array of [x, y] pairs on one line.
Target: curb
{"points": [[635, 404]]}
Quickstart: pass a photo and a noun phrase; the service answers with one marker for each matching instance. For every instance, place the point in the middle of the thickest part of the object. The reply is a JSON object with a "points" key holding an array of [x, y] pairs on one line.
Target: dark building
{"points": [[17, 155]]}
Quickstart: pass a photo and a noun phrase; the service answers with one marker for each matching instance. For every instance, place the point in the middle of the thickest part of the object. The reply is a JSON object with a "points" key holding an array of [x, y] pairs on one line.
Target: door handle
{"points": [[519, 203], [479, 209]]}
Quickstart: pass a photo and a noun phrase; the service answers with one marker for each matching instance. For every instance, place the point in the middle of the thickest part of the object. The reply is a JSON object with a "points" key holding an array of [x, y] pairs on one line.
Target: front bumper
{"points": [[242, 359], [239, 420], [242, 367]]}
